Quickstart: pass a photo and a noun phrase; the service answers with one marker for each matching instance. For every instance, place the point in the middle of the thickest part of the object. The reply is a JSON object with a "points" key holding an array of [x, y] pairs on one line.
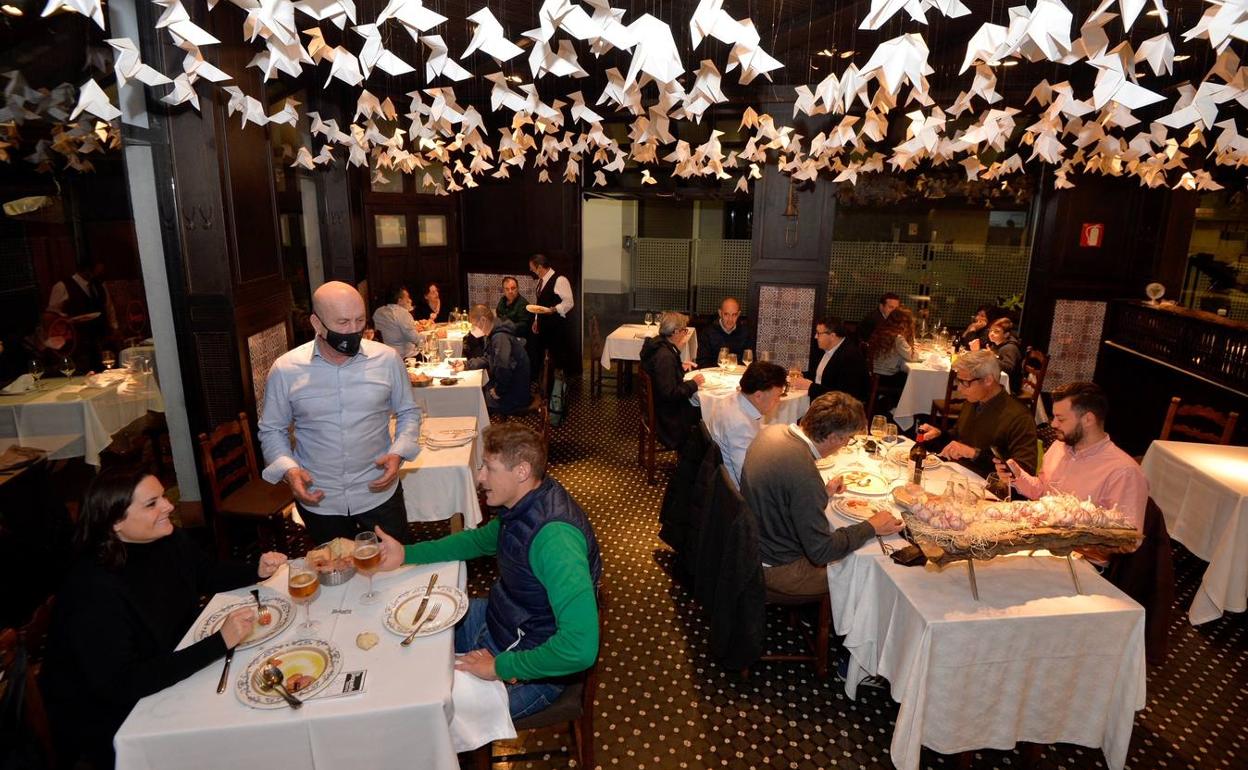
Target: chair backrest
{"points": [[1192, 421], [871, 398], [645, 399], [1035, 367], [590, 687], [228, 457], [35, 633], [595, 339], [547, 375]]}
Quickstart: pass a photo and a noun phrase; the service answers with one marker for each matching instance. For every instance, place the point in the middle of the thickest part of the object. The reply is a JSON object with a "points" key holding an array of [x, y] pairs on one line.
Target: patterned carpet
{"points": [[663, 703]]}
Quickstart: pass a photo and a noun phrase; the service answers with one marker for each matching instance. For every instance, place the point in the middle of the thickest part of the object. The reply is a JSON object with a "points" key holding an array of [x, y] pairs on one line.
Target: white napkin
{"points": [[481, 713], [23, 384]]}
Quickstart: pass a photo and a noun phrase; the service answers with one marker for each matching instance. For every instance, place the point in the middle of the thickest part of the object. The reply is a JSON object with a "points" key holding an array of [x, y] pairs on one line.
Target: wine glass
{"points": [[303, 585], [890, 434], [36, 370], [722, 361], [747, 357], [367, 558], [67, 366], [649, 318], [879, 427], [731, 362], [108, 359], [890, 471], [999, 487]]}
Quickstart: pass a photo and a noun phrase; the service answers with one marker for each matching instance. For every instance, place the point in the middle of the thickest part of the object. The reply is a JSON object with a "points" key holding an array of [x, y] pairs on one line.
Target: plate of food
{"points": [[419, 379], [400, 614], [275, 614], [823, 463], [307, 666], [855, 508], [902, 455], [864, 483]]}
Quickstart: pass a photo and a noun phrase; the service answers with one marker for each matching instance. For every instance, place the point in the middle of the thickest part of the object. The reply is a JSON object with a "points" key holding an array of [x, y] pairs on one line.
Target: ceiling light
{"points": [[515, 78], [1183, 57], [1010, 63], [11, 10], [828, 52], [1154, 12], [847, 54]]}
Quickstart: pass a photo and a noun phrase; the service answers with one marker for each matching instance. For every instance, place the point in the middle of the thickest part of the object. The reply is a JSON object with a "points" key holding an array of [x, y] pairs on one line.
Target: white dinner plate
{"points": [[278, 608], [902, 455], [855, 508], [865, 483], [315, 658], [400, 614]]}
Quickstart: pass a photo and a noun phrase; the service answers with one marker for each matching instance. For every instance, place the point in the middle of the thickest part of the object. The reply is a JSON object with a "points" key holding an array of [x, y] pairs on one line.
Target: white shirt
{"points": [[733, 423], [796, 430], [60, 295], [563, 289], [823, 362], [398, 329]]}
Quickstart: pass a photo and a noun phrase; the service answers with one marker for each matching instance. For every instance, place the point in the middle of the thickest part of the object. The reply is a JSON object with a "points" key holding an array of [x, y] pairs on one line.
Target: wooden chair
{"points": [[15, 668], [236, 490], [596, 372], [1192, 422], [574, 708], [882, 398], [34, 637], [1035, 367], [648, 445], [948, 408]]}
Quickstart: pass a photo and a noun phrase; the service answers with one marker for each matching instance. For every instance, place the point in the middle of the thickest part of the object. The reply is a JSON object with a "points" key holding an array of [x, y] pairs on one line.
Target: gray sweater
{"points": [[783, 487]]}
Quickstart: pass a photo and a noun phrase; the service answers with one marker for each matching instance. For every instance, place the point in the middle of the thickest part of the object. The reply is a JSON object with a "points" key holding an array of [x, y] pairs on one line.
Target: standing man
{"points": [[888, 303], [550, 326], [339, 391], [539, 624], [512, 306], [734, 422], [727, 332], [839, 364], [83, 301]]}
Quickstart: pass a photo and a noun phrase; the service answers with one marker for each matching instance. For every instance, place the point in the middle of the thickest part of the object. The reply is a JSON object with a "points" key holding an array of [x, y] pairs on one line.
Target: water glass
{"points": [[731, 361], [890, 471], [747, 357], [649, 318], [890, 434]]}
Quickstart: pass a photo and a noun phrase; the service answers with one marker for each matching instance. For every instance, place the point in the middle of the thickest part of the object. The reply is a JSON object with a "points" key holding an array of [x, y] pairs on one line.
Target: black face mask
{"points": [[347, 343]]}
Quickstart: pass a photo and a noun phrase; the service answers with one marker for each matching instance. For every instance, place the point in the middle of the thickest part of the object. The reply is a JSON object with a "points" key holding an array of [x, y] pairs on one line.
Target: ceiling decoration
{"points": [[889, 114]]}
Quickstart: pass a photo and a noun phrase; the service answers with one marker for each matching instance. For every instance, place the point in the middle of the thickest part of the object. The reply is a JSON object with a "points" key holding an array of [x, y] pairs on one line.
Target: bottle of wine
{"points": [[918, 453]]}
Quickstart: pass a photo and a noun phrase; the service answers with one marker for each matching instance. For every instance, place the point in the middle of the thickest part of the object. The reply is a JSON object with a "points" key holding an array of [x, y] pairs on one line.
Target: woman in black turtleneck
{"points": [[124, 606]]}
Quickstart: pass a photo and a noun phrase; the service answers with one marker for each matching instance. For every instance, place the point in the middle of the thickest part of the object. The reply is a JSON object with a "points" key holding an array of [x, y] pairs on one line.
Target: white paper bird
{"points": [[655, 53], [374, 54], [439, 62], [488, 36], [92, 99], [128, 65]]}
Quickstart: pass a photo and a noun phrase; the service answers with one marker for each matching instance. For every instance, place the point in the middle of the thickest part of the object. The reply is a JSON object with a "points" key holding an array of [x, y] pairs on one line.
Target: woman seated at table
{"points": [[131, 595], [660, 358], [431, 307], [1009, 349], [891, 346], [977, 329]]}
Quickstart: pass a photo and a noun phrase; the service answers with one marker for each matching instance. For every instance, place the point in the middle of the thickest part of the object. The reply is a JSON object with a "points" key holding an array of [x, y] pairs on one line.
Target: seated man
{"points": [[888, 303], [504, 358], [727, 332], [514, 307], [991, 418], [539, 624], [394, 321], [660, 358], [788, 496], [839, 365], [1085, 463], [734, 422]]}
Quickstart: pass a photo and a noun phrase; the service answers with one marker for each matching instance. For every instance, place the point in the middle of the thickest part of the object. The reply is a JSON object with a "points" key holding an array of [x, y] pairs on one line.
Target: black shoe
{"points": [[874, 682]]}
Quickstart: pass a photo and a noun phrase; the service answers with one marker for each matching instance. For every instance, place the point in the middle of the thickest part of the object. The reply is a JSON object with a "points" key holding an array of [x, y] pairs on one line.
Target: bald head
{"points": [[729, 312], [338, 307]]}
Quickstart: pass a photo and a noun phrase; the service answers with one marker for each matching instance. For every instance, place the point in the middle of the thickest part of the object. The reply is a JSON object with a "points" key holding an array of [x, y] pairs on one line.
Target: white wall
{"points": [[605, 261]]}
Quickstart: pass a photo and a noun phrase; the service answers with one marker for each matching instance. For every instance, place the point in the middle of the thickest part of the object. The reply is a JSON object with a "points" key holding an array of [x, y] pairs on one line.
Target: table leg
{"points": [[1071, 563], [970, 569]]}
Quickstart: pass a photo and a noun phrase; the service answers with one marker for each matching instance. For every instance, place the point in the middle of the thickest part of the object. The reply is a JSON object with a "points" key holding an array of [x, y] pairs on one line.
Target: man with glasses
{"points": [[727, 332], [734, 422], [839, 363], [990, 419]]}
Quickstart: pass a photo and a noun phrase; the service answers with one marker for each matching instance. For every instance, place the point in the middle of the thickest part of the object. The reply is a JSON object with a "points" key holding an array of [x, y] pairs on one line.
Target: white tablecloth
{"points": [[69, 418], [1202, 490], [403, 717], [924, 384], [439, 482], [1031, 661], [625, 344], [721, 385], [463, 399]]}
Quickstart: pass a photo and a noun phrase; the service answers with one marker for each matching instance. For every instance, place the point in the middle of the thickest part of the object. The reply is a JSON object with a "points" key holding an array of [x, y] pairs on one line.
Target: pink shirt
{"points": [[1102, 473]]}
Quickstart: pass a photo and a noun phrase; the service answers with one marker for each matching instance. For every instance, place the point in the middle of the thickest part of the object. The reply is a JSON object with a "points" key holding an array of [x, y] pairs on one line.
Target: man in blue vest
{"points": [[539, 625]]}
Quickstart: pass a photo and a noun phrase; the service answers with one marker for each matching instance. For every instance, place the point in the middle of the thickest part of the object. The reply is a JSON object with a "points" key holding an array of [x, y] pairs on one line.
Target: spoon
{"points": [[272, 678]]}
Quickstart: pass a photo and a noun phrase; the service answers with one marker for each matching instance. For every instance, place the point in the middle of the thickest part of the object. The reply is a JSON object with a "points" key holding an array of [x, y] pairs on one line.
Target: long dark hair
{"points": [[900, 323], [103, 505]]}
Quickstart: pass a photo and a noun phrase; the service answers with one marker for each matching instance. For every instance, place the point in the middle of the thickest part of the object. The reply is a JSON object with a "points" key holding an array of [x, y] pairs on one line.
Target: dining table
{"points": [[1202, 491], [413, 710], [722, 384], [465, 397], [623, 346], [78, 416], [441, 480], [1033, 658]]}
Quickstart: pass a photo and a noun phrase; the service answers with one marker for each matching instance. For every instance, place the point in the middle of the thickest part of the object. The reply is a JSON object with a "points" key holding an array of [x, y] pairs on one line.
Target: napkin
{"points": [[22, 384], [481, 713]]}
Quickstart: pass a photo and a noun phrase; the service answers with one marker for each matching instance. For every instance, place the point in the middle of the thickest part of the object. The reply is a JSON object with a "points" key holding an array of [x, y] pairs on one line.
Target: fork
{"points": [[433, 614]]}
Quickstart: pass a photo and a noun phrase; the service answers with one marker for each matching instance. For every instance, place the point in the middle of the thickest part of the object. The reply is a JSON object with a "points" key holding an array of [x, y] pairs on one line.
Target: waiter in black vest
{"points": [[550, 325], [83, 300]]}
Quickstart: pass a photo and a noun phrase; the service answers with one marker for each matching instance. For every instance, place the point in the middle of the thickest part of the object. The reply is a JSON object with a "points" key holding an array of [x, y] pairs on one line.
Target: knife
{"points": [[420, 610], [225, 671]]}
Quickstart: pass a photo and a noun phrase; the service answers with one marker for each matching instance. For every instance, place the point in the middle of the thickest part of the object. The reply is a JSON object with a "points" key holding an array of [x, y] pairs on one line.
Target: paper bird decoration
{"points": [[488, 37], [92, 99], [127, 64]]}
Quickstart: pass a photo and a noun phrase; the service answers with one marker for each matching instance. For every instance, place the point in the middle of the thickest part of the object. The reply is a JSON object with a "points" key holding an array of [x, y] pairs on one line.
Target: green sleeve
{"points": [[560, 559], [460, 546]]}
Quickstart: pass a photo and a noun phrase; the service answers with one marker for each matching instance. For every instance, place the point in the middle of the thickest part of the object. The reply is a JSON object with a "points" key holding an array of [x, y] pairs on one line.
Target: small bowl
{"points": [[335, 577], [449, 380]]}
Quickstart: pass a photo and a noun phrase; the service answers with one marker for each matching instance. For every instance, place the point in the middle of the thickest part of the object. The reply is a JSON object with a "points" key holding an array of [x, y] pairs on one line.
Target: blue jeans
{"points": [[523, 699]]}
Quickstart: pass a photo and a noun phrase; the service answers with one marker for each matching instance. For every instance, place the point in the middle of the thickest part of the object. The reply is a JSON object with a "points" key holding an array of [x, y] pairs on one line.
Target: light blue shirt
{"points": [[733, 423], [398, 329], [341, 416]]}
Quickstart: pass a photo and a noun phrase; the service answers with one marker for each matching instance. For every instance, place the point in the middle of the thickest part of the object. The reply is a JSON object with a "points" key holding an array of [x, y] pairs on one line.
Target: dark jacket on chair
{"points": [[846, 372], [678, 498], [673, 414], [1147, 575]]}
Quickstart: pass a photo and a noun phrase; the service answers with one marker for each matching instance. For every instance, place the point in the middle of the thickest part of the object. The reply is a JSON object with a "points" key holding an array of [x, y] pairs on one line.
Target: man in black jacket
{"points": [[888, 303], [504, 358], [728, 332], [839, 363], [660, 358]]}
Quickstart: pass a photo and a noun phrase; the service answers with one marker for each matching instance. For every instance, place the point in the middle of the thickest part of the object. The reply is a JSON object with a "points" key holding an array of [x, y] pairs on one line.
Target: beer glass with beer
{"points": [[303, 585], [367, 558]]}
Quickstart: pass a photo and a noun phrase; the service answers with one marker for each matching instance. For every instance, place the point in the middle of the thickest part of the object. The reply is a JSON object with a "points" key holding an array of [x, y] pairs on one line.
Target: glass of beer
{"points": [[367, 558], [303, 585]]}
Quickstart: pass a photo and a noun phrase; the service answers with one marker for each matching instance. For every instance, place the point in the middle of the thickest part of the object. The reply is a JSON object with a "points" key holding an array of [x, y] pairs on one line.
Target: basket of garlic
{"points": [[947, 530]]}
